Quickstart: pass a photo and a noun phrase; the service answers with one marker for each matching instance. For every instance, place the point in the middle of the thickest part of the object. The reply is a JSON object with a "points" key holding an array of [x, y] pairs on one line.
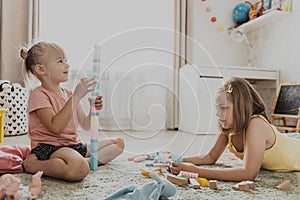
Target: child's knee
{"points": [[29, 163], [78, 171]]}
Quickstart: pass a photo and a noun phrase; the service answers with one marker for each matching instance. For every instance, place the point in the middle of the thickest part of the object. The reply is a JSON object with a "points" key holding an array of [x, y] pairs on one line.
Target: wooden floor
{"points": [[146, 141]]}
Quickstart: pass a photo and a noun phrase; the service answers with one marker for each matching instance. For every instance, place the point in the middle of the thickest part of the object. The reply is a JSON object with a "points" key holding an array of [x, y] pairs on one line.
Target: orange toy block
{"points": [[244, 186], [285, 185], [213, 184]]}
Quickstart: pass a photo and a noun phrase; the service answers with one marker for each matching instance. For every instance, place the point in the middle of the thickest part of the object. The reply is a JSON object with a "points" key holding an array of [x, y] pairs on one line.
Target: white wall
{"points": [[279, 44], [208, 45], [136, 40], [78, 25]]}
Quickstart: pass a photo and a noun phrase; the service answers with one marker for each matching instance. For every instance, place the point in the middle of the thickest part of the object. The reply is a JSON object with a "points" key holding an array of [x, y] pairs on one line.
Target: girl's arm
{"points": [[85, 120], [57, 122], [212, 156], [256, 135], [224, 174]]}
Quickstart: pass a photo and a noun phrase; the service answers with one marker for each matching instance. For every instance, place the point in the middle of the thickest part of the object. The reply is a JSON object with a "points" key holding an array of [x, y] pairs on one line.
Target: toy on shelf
{"points": [[240, 13], [94, 112], [253, 13], [258, 15], [286, 5], [247, 11]]}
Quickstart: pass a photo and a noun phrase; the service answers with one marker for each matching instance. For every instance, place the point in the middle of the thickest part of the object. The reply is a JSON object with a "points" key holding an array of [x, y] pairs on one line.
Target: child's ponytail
{"points": [[26, 69]]}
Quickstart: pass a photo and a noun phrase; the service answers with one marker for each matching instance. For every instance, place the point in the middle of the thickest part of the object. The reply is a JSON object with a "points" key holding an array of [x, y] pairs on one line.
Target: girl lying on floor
{"points": [[247, 132]]}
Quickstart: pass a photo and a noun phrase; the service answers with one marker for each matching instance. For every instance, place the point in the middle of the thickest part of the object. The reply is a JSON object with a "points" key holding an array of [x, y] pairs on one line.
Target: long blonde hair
{"points": [[246, 102], [38, 53]]}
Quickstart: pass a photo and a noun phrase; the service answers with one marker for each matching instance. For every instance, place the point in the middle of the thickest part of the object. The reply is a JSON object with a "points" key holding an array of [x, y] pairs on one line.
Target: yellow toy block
{"points": [[203, 182], [147, 173], [2, 116]]}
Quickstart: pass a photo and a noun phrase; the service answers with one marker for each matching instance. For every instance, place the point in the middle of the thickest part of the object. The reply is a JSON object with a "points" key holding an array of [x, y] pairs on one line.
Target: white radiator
{"points": [[117, 106], [130, 101]]}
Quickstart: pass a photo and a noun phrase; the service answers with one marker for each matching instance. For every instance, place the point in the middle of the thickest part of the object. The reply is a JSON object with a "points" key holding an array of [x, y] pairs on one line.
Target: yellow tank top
{"points": [[283, 156]]}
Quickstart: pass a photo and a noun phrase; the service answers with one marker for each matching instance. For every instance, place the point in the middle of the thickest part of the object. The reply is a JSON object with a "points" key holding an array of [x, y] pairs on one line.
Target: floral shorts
{"points": [[44, 151]]}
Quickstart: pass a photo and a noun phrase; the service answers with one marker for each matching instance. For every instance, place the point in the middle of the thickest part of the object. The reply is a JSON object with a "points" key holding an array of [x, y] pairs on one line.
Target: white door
{"points": [[197, 95]]}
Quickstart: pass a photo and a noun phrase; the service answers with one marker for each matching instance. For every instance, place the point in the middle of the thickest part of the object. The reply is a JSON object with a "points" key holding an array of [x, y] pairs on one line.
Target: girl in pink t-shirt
{"points": [[54, 114]]}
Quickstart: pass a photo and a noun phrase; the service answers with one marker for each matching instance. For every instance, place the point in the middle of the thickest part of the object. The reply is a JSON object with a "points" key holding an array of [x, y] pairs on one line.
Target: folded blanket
{"points": [[12, 157]]}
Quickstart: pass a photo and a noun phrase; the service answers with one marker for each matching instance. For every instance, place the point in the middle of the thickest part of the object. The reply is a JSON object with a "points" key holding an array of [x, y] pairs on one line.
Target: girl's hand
{"points": [[98, 102], [84, 87], [175, 167]]}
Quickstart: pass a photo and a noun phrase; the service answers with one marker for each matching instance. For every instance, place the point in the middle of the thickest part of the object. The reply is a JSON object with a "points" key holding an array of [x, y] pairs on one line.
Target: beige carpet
{"points": [[121, 173]]}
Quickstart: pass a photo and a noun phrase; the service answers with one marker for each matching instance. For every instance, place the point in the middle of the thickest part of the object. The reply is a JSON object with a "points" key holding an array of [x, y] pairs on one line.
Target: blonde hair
{"points": [[246, 102], [38, 53]]}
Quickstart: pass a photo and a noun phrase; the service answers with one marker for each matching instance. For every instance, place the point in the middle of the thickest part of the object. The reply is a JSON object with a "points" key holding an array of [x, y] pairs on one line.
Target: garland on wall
{"points": [[213, 18]]}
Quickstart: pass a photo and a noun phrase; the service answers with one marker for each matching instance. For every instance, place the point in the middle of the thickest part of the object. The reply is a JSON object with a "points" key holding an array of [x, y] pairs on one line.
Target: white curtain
{"points": [[180, 50], [19, 27]]}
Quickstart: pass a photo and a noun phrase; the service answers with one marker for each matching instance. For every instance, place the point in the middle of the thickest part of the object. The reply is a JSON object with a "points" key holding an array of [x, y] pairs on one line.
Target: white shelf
{"points": [[264, 19]]}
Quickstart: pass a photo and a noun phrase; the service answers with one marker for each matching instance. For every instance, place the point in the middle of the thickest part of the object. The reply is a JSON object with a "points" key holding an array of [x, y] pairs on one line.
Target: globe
{"points": [[241, 13]]}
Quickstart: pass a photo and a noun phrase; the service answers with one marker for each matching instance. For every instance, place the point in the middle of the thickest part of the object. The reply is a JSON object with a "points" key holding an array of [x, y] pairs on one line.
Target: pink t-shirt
{"points": [[38, 133]]}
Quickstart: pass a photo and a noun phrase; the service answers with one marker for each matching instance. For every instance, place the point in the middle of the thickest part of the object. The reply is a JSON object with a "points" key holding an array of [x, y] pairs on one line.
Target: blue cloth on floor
{"points": [[158, 189], [293, 135]]}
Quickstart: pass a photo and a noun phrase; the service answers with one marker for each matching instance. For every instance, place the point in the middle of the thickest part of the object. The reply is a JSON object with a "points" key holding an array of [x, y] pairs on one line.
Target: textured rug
{"points": [[121, 173]]}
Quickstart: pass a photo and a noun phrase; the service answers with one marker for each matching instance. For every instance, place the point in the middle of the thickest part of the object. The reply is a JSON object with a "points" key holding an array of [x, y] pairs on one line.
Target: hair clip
{"points": [[228, 88]]}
